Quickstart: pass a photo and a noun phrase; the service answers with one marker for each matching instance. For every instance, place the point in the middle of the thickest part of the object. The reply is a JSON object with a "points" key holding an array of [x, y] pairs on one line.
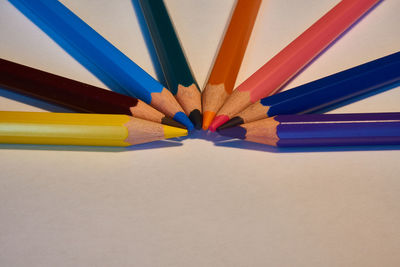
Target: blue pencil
{"points": [[321, 130], [105, 56], [325, 92]]}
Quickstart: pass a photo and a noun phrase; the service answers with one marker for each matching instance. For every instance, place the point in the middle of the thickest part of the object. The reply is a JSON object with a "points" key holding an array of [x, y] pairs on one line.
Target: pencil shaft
{"points": [[75, 95], [338, 129], [169, 51], [276, 72], [80, 129], [93, 46], [321, 130], [325, 92], [103, 54], [174, 64], [233, 47], [229, 58], [289, 61], [336, 88]]}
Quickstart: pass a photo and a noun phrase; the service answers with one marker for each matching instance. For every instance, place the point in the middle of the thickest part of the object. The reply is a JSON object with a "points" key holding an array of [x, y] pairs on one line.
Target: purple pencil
{"points": [[321, 130]]}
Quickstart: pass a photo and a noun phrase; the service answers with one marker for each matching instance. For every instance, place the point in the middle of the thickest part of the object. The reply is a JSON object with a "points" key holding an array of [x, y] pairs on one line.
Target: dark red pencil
{"points": [[73, 94]]}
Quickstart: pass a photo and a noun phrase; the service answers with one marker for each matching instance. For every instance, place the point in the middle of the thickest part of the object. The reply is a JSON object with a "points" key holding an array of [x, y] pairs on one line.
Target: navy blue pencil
{"points": [[325, 92], [321, 130]]}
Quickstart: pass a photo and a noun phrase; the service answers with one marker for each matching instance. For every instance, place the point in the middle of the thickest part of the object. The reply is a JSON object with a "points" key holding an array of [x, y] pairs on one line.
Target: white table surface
{"points": [[200, 201]]}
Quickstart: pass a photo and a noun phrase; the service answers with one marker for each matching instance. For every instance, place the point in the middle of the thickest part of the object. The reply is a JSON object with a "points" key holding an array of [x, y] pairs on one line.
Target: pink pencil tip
{"points": [[218, 121]]}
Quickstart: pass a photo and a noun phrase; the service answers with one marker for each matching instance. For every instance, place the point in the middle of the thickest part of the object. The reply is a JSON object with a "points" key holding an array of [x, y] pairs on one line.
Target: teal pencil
{"points": [[175, 67]]}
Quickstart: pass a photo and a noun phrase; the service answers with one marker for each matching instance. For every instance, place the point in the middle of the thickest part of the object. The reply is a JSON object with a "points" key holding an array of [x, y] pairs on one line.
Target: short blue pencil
{"points": [[134, 80]]}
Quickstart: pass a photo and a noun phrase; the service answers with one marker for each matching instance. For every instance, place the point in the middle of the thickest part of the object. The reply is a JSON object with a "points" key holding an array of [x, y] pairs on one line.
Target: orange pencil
{"points": [[293, 58], [227, 64]]}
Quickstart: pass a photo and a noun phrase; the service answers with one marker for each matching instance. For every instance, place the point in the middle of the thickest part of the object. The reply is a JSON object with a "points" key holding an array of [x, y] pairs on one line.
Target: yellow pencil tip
{"points": [[172, 132], [208, 117]]}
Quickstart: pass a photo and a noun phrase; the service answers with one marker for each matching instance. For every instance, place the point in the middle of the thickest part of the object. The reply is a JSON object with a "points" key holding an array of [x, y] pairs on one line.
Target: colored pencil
{"points": [[325, 92], [230, 55], [75, 95], [105, 56], [321, 130], [175, 67], [46, 128], [294, 57]]}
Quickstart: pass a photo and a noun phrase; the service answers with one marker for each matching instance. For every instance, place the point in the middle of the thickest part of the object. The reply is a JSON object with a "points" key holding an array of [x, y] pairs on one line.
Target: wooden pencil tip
{"points": [[208, 117], [231, 123], [218, 121]]}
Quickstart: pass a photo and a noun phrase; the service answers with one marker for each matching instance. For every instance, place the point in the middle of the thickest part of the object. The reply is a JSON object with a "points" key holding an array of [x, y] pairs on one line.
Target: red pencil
{"points": [[276, 72]]}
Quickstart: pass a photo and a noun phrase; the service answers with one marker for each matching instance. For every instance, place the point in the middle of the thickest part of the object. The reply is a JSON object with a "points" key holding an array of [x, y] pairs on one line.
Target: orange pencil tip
{"points": [[208, 117]]}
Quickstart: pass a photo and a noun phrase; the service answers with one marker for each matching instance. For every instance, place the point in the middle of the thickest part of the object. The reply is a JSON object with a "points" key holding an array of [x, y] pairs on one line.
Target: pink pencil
{"points": [[283, 66]]}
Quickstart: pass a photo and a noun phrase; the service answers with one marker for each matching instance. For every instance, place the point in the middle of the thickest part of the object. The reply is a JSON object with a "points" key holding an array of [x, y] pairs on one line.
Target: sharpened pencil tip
{"points": [[196, 117], [218, 121], [171, 122], [231, 123], [182, 118], [235, 132], [208, 117], [172, 132]]}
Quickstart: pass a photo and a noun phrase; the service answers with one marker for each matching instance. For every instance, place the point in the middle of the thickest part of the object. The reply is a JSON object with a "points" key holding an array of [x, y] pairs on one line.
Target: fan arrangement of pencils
{"points": [[254, 111]]}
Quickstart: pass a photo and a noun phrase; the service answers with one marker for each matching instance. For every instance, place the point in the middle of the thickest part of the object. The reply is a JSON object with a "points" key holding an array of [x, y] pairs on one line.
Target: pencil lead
{"points": [[235, 132], [168, 121], [196, 117], [218, 121], [231, 123], [173, 132], [208, 117]]}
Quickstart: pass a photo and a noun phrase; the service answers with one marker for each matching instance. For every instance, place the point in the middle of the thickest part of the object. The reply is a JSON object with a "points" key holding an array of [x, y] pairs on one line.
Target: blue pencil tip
{"points": [[182, 118]]}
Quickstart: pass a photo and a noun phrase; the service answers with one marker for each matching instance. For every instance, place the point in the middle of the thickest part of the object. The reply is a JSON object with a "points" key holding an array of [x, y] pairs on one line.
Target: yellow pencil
{"points": [[80, 129]]}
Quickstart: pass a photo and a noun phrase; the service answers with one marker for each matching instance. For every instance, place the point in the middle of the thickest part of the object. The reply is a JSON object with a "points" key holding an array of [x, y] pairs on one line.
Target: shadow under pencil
{"points": [[205, 135], [151, 145], [241, 144]]}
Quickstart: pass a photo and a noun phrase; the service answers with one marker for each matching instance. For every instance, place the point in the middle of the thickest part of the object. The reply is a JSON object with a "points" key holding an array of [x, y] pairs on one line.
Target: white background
{"points": [[200, 202]]}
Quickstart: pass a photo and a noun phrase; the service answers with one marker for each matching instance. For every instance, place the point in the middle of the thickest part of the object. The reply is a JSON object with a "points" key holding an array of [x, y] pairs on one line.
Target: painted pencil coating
{"points": [[233, 47], [325, 92], [230, 55], [75, 95], [175, 67], [80, 129], [165, 40], [62, 128], [94, 47], [103, 54], [294, 57], [303, 49], [321, 130], [336, 88], [338, 129]]}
